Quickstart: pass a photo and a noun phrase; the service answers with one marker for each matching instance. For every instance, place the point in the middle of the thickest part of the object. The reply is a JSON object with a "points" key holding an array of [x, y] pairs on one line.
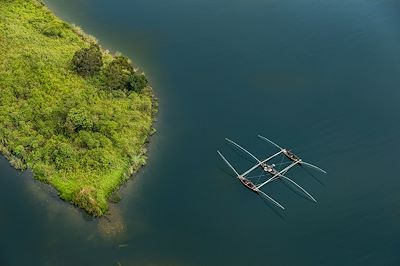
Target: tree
{"points": [[120, 75], [137, 82], [64, 156], [78, 119], [88, 61], [117, 73]]}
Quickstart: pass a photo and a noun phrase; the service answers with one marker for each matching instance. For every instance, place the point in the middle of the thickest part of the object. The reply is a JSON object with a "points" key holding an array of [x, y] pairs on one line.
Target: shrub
{"points": [[88, 61], [85, 198], [19, 151], [137, 82], [120, 75], [63, 156], [78, 119], [53, 30], [92, 140], [117, 73]]}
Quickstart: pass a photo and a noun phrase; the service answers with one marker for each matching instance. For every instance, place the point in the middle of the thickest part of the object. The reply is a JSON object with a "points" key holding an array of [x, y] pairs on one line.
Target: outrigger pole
{"points": [[255, 189], [270, 170], [226, 161], [286, 152], [260, 163], [278, 174], [283, 171]]}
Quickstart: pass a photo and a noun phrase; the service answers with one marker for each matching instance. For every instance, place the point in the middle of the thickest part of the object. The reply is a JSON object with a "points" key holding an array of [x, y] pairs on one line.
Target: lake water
{"points": [[321, 77]]}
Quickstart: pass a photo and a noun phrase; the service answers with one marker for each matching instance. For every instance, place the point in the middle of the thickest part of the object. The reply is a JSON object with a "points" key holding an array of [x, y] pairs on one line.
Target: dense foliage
{"points": [[88, 61], [69, 128], [120, 75], [137, 82]]}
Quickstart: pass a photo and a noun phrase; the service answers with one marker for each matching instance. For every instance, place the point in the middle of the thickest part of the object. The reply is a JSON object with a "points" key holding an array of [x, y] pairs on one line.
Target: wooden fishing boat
{"points": [[270, 169], [248, 183]]}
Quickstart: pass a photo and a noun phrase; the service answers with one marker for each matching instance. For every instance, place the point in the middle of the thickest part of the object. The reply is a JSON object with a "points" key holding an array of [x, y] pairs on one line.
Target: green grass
{"points": [[38, 92]]}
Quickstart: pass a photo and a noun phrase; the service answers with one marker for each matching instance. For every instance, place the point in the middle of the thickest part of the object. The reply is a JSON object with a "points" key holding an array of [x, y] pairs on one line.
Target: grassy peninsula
{"points": [[76, 115]]}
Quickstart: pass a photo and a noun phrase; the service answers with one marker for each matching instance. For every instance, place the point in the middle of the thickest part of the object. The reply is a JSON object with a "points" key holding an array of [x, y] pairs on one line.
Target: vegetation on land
{"points": [[74, 114], [88, 61]]}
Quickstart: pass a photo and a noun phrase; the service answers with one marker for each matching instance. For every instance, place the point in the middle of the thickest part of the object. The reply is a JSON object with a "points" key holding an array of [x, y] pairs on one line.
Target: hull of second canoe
{"points": [[295, 158], [247, 185]]}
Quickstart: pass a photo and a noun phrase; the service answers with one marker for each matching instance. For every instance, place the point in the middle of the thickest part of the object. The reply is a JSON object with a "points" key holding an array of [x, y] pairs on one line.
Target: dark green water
{"points": [[321, 77]]}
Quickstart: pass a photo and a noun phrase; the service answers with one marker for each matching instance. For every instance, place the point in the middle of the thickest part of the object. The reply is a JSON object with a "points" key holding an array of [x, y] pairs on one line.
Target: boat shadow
{"points": [[313, 176], [276, 210], [270, 206], [226, 171], [241, 154], [297, 191]]}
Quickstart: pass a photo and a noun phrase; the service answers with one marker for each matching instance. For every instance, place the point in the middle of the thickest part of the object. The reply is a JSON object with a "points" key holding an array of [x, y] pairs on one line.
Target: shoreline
{"points": [[130, 169]]}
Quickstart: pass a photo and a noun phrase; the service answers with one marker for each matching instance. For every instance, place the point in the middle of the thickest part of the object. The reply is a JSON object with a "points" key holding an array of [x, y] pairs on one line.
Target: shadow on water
{"points": [[314, 176], [296, 190], [226, 171], [276, 210], [267, 202], [241, 153]]}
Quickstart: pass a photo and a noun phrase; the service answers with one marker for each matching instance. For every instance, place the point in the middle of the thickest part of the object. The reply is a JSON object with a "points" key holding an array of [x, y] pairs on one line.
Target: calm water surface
{"points": [[322, 77]]}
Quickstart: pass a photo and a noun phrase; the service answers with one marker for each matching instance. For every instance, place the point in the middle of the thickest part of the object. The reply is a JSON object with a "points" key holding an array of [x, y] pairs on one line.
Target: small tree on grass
{"points": [[117, 73], [120, 75], [78, 119], [137, 82], [88, 61]]}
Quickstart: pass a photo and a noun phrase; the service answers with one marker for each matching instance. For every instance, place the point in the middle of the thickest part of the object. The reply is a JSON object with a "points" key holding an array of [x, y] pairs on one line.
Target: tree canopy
{"points": [[88, 61], [121, 75]]}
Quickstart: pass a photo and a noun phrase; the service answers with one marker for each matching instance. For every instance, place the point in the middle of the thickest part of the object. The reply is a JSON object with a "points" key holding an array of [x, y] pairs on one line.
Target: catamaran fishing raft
{"points": [[270, 170]]}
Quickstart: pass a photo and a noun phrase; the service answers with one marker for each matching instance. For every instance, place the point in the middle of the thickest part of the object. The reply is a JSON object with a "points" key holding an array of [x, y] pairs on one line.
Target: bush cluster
{"points": [[119, 74], [88, 61], [78, 119], [137, 82]]}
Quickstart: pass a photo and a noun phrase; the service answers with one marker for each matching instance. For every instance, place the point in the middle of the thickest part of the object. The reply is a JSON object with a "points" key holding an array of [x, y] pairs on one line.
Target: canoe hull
{"points": [[247, 183]]}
